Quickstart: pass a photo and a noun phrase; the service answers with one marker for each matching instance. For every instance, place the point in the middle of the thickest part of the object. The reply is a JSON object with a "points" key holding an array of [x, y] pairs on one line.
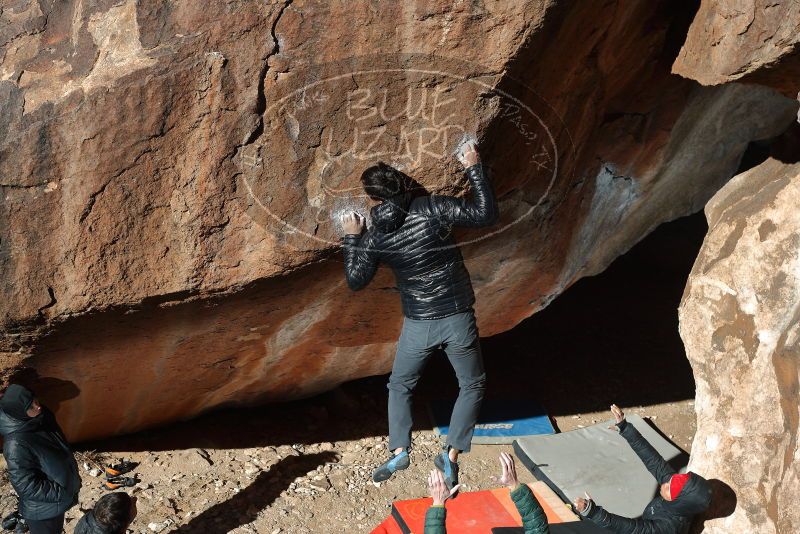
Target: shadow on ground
{"points": [[244, 507], [611, 337]]}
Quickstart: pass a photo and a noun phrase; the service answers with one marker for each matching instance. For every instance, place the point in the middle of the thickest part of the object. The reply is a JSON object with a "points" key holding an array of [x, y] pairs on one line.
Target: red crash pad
{"points": [[472, 513], [387, 527]]}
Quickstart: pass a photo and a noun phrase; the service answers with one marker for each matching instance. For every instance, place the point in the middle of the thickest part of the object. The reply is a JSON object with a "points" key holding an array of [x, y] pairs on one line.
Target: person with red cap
{"points": [[681, 496]]}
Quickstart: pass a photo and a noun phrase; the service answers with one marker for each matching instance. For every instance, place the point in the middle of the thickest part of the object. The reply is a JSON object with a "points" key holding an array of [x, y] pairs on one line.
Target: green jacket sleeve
{"points": [[434, 520], [534, 520]]}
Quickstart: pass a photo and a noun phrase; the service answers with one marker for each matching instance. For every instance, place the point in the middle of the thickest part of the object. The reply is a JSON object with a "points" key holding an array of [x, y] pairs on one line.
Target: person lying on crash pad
{"points": [[534, 520], [681, 496]]}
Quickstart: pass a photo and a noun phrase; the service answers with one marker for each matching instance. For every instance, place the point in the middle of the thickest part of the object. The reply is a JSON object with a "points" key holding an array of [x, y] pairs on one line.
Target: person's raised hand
{"points": [[352, 223], [469, 155], [438, 488], [581, 504], [508, 473], [619, 417]]}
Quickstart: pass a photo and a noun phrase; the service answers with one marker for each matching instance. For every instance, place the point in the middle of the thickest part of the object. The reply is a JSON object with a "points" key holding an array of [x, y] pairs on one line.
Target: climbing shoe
{"points": [[15, 522], [121, 468], [448, 467], [114, 483], [10, 521], [395, 463]]}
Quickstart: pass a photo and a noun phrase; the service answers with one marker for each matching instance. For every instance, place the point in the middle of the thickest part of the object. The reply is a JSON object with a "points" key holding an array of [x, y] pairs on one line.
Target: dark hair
{"points": [[382, 181], [113, 511]]}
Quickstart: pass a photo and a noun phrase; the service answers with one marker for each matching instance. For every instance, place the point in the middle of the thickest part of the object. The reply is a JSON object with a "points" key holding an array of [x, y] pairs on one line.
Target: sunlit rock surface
{"points": [[755, 41], [170, 175], [740, 322]]}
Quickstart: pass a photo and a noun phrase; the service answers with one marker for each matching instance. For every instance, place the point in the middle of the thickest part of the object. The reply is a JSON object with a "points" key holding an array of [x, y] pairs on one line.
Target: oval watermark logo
{"points": [[325, 124]]}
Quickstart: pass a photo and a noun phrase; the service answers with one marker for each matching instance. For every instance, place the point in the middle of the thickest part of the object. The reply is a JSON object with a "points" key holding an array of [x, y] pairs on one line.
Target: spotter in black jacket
{"points": [[41, 466], [660, 516]]}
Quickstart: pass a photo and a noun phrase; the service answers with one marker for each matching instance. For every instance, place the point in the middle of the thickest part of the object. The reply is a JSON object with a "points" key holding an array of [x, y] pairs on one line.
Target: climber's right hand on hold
{"points": [[468, 156], [352, 223]]}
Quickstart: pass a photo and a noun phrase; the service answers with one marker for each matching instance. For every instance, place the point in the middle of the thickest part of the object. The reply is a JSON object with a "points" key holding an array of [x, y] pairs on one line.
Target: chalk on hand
{"points": [[461, 148]]}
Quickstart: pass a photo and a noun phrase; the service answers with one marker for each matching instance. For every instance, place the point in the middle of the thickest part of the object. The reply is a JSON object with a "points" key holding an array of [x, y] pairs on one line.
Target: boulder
{"points": [[740, 322], [756, 41], [171, 175]]}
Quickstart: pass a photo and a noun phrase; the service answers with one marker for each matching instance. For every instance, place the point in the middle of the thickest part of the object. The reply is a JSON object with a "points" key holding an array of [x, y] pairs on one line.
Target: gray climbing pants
{"points": [[458, 336]]}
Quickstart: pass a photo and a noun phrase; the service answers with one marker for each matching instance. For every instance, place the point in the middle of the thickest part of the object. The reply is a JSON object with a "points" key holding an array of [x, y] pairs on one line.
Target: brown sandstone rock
{"points": [[740, 322], [755, 41], [169, 173]]}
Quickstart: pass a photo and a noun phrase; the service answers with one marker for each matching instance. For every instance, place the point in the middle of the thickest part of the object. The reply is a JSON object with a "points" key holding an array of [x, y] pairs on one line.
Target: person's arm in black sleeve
{"points": [[27, 479], [481, 210], [623, 525], [657, 466], [360, 260]]}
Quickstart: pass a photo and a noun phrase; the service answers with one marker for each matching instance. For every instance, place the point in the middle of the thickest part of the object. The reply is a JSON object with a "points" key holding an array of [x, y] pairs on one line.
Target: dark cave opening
{"points": [[609, 338]]}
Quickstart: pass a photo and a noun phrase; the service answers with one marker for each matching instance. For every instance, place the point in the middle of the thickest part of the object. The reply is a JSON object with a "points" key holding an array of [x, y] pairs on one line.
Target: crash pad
{"points": [[599, 461], [500, 421], [553, 506], [478, 512], [389, 526]]}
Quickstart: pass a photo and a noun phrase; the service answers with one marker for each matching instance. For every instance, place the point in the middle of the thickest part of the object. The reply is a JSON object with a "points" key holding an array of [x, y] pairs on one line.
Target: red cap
{"points": [[676, 484]]}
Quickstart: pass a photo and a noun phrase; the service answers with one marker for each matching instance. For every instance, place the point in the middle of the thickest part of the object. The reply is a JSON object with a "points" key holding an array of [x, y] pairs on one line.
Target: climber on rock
{"points": [[413, 236], [41, 466], [681, 496]]}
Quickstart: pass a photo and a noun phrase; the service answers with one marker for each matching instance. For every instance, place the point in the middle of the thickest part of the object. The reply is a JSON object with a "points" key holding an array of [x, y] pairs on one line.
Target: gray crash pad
{"points": [[599, 461]]}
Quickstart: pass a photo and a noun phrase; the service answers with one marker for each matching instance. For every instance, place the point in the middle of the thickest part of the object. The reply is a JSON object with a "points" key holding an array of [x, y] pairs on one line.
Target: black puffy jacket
{"points": [[660, 516], [89, 525], [414, 238], [41, 466]]}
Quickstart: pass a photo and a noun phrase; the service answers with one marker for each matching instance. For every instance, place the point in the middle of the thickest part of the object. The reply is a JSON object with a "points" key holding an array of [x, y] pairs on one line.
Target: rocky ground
{"points": [[242, 481], [315, 487], [305, 466]]}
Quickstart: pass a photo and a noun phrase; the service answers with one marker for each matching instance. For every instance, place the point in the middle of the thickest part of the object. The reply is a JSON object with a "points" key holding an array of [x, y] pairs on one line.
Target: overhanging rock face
{"points": [[740, 322], [756, 41], [170, 175]]}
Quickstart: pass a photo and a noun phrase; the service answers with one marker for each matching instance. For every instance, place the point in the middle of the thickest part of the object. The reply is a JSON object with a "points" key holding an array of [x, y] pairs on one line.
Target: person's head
{"points": [[115, 511], [20, 403], [688, 494], [382, 182]]}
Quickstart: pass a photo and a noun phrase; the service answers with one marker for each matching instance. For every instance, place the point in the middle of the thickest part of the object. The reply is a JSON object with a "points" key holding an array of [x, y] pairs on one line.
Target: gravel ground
{"points": [[241, 480]]}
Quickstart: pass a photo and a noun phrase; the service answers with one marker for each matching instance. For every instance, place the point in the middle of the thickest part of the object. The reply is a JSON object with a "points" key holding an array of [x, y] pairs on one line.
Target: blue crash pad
{"points": [[500, 421]]}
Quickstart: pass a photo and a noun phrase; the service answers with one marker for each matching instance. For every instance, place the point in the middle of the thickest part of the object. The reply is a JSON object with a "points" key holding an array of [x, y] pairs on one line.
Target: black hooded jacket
{"points": [[660, 516], [414, 238], [41, 466], [90, 525]]}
